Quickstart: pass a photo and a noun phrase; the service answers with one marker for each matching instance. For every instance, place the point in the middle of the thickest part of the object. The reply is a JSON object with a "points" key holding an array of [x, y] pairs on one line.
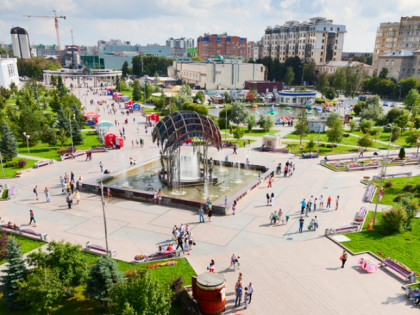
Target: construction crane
{"points": [[55, 17]]}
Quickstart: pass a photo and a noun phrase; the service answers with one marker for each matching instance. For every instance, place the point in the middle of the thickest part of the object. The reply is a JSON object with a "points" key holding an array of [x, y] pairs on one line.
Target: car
{"points": [[400, 105], [385, 103], [393, 105]]}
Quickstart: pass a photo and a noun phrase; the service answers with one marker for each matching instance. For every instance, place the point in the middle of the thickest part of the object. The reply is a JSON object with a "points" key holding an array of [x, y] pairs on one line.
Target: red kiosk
{"points": [[91, 118], [111, 140]]}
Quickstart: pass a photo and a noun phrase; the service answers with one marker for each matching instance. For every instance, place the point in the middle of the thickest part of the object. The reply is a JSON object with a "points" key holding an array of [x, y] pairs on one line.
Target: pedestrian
{"points": [[210, 268], [226, 200], [233, 262], [239, 264], [186, 245], [108, 192], [307, 210], [238, 295], [71, 176], [270, 182], [32, 217], [250, 291], [234, 207], [315, 223], [272, 199], [321, 202], [155, 196], [62, 184], [36, 191], [343, 258], [329, 202], [310, 201], [201, 214], [287, 219], [101, 166], [69, 200], [47, 194], [180, 243], [210, 211], [303, 203], [268, 199], [301, 221], [71, 187], [286, 169], [77, 196], [336, 202], [315, 202], [160, 195], [246, 297]]}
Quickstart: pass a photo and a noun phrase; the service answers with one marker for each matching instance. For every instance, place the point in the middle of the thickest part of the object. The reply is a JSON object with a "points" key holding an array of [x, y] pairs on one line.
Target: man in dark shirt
{"points": [[301, 221]]}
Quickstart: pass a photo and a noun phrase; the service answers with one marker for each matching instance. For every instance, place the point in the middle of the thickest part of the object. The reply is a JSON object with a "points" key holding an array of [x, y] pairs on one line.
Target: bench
{"points": [[100, 149], [19, 231], [356, 168], [42, 163], [91, 247], [360, 216], [370, 192], [398, 268], [345, 229], [309, 155]]}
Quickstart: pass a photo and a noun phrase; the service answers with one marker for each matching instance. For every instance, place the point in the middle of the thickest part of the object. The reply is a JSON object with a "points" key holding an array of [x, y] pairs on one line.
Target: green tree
{"points": [[301, 126], [251, 122], [266, 122], [15, 272], [353, 125], [227, 97], [339, 79], [323, 83], [136, 91], [365, 141], [366, 125], [49, 135], [238, 133], [144, 294], [199, 97], [309, 71], [373, 110], [395, 133], [403, 119], [331, 118], [238, 113], [222, 122], [330, 93], [358, 107], [118, 84], [101, 278], [41, 290], [290, 76], [393, 220], [5, 92], [335, 133], [124, 69], [413, 138], [311, 144], [393, 114], [384, 73], [354, 76], [417, 122], [76, 133], [407, 84], [8, 144], [401, 154], [410, 99]]}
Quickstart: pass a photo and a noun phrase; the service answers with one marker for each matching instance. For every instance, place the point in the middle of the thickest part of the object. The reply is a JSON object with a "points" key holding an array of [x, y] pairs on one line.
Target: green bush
{"points": [[389, 184], [409, 188], [346, 135], [393, 220]]}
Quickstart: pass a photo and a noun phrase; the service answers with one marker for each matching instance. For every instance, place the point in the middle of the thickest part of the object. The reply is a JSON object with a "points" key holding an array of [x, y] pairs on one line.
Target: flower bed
{"points": [[169, 263], [139, 257]]}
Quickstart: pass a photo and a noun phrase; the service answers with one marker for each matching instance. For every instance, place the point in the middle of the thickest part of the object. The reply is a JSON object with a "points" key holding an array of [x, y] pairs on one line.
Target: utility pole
{"points": [[104, 216]]}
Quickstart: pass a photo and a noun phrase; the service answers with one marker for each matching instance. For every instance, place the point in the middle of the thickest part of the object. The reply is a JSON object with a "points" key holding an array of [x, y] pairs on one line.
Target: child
{"points": [[287, 219], [315, 201], [238, 262], [246, 297], [234, 207]]}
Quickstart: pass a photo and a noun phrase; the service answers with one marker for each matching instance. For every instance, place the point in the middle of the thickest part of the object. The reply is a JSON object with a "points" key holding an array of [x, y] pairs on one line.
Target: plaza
{"points": [[292, 273]]}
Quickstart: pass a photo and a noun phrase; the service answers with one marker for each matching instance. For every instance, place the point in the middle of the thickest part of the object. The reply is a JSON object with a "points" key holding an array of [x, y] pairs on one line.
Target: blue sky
{"points": [[142, 22]]}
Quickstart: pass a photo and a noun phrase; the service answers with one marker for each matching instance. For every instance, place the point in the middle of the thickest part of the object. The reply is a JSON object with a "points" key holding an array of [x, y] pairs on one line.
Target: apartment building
{"points": [[254, 50], [180, 46], [212, 45], [393, 36], [400, 64], [317, 39]]}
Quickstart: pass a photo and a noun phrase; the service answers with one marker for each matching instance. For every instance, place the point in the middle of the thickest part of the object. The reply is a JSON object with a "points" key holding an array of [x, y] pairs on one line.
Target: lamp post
{"points": [[104, 216], [27, 141], [383, 172], [71, 134], [1, 161]]}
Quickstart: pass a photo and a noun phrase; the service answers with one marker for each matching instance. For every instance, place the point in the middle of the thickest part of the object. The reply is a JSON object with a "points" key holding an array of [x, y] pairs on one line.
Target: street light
{"points": [[2, 169], [71, 134], [103, 214], [383, 172], [27, 141]]}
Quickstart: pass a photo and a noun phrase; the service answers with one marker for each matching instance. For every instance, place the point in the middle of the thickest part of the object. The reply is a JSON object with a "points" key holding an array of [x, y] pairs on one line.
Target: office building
{"points": [[8, 72], [71, 56], [400, 64], [180, 46], [46, 51], [20, 43], [212, 45], [216, 74], [393, 36], [317, 39]]}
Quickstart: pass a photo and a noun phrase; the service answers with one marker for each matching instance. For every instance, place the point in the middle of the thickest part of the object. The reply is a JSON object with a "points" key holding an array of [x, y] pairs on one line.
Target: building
{"points": [[71, 57], [100, 77], [400, 64], [212, 45], [349, 56], [317, 125], [318, 39], [296, 98], [254, 50], [393, 36], [20, 43], [8, 72], [180, 46], [264, 86], [46, 51], [332, 66], [217, 74]]}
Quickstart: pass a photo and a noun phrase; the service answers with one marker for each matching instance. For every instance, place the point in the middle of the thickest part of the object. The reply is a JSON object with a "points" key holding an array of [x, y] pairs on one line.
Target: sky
{"points": [[154, 21]]}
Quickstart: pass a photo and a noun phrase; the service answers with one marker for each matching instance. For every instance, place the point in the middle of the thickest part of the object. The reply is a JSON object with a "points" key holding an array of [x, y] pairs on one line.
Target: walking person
{"points": [[32, 217], [271, 199], [180, 243], [337, 200], [270, 182], [233, 262], [201, 214], [210, 211], [77, 196], [343, 258], [250, 291], [238, 291], [315, 202], [36, 192], [211, 266], [69, 200], [303, 204], [234, 207], [301, 221], [101, 165], [329, 202], [268, 199], [321, 203], [47, 194]]}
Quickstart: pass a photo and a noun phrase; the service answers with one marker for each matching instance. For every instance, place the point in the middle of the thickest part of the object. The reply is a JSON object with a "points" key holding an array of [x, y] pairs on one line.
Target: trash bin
{"points": [[327, 232]]}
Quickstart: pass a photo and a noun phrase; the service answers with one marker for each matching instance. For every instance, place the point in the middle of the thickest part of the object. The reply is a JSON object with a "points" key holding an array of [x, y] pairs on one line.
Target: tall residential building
{"points": [[393, 36], [212, 45], [254, 50], [20, 43], [180, 46], [8, 72], [318, 39], [400, 64]]}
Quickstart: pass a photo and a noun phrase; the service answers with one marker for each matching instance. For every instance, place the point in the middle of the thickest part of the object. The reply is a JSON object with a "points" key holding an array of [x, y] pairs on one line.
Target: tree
{"points": [[251, 122], [393, 114], [335, 133], [309, 71], [301, 126], [124, 69], [331, 118], [311, 144], [5, 92], [413, 138], [365, 141], [223, 114], [410, 99], [227, 97], [8, 144], [403, 119], [407, 84], [395, 133], [354, 76], [143, 293], [401, 154], [353, 125], [41, 290], [339, 79], [373, 109], [266, 122], [358, 107], [62, 137], [15, 272], [118, 84], [76, 134], [199, 97], [323, 83], [136, 91], [290, 76], [366, 125], [330, 93], [393, 219], [238, 113], [49, 136], [238, 133], [384, 73], [250, 96], [101, 278], [417, 122]]}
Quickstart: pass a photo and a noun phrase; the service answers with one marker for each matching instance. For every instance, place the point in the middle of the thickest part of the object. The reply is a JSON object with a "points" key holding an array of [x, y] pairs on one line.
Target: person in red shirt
{"points": [[329, 202], [170, 247]]}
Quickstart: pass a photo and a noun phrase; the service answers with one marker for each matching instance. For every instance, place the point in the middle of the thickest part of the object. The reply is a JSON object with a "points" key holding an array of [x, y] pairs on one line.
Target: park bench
{"points": [[357, 168], [90, 247], [370, 192], [360, 216], [163, 255], [42, 163], [399, 268], [19, 231], [99, 149], [309, 155], [345, 229]]}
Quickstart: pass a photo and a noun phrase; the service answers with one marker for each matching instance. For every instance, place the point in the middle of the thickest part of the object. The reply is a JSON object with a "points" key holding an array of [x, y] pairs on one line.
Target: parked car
{"points": [[400, 105], [385, 103], [393, 105]]}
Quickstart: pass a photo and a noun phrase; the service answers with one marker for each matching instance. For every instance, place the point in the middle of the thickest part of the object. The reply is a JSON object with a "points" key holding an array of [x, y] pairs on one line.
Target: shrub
{"points": [[353, 125], [398, 198], [389, 184], [409, 188], [346, 135], [401, 155], [64, 150], [393, 220], [22, 163]]}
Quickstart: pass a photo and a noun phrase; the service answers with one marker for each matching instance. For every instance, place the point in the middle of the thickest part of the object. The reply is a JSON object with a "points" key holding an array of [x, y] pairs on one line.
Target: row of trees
{"points": [[143, 65], [33, 67], [57, 273]]}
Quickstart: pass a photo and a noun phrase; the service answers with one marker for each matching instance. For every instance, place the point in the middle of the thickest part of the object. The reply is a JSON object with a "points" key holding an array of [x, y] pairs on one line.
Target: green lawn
{"points": [[240, 143], [254, 132], [26, 244], [384, 136], [42, 150], [10, 171], [391, 192], [323, 150], [350, 140], [404, 247]]}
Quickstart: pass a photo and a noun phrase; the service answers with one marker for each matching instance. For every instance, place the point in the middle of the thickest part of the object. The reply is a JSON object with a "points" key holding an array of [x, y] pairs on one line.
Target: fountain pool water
{"points": [[146, 177]]}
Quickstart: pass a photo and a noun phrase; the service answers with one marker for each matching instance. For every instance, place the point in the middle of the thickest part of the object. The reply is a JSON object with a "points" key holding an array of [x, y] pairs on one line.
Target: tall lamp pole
{"points": [[383, 171], [104, 216], [27, 141], [2, 169], [71, 134]]}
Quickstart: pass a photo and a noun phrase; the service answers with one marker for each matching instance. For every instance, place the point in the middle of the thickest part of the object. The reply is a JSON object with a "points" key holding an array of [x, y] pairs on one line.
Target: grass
{"points": [[323, 150], [42, 150], [384, 136], [253, 133], [398, 188], [26, 244], [240, 143], [350, 140], [10, 171], [404, 247]]}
